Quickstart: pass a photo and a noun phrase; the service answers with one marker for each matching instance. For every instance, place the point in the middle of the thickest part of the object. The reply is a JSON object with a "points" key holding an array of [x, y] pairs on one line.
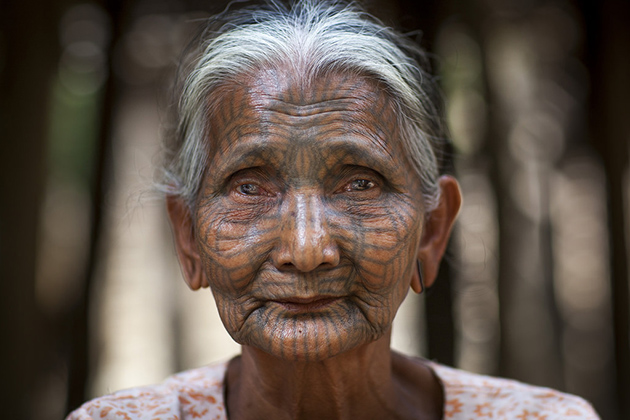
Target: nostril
{"points": [[305, 260], [287, 266]]}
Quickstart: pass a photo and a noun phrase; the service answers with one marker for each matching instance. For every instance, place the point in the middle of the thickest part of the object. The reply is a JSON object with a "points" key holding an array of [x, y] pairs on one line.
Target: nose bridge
{"points": [[308, 221], [307, 238]]}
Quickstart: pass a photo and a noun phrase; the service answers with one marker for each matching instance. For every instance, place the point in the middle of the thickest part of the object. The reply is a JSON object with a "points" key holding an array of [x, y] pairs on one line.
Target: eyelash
{"points": [[247, 184], [360, 185], [251, 190], [356, 184], [242, 187]]}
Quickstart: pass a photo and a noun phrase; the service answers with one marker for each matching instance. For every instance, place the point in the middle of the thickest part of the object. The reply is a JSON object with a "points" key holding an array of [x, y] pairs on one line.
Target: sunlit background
{"points": [[535, 285]]}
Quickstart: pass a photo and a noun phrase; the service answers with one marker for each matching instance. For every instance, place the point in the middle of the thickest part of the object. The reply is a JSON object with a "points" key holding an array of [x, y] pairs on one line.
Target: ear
{"points": [[436, 231], [184, 235]]}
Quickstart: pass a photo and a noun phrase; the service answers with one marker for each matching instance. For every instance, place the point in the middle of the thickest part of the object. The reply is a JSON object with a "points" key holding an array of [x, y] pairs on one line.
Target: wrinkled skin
{"points": [[308, 198], [307, 229]]}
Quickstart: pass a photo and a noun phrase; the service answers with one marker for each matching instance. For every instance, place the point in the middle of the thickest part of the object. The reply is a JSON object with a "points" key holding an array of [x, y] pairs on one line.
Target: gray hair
{"points": [[322, 35]]}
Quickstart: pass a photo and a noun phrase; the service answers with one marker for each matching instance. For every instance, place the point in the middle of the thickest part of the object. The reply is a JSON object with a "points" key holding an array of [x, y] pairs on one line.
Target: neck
{"points": [[368, 382]]}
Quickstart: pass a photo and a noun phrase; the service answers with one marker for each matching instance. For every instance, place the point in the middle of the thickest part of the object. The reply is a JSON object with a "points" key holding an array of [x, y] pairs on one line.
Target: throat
{"points": [[357, 384]]}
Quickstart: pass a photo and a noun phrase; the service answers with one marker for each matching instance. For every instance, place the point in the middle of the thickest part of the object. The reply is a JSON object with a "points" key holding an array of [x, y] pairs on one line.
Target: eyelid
{"points": [[256, 176], [348, 170], [351, 173]]}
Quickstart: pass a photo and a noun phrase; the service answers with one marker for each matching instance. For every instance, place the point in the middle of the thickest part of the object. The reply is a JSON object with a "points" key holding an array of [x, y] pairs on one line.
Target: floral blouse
{"points": [[198, 394]]}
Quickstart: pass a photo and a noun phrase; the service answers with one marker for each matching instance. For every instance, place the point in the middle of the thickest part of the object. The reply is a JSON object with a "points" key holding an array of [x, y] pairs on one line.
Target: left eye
{"points": [[360, 185]]}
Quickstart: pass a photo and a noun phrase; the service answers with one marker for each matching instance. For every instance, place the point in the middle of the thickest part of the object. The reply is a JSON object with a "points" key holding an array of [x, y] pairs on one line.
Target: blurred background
{"points": [[535, 285]]}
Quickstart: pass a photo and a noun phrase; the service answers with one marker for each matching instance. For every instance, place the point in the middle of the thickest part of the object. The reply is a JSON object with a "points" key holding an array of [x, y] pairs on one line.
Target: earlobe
{"points": [[437, 228], [417, 279], [184, 236]]}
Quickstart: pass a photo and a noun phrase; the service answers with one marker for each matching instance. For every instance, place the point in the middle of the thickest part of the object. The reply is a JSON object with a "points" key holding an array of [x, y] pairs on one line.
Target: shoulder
{"points": [[196, 393], [468, 394]]}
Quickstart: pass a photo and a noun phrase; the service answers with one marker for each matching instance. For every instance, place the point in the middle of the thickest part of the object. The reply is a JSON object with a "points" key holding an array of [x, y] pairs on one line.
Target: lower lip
{"points": [[313, 306]]}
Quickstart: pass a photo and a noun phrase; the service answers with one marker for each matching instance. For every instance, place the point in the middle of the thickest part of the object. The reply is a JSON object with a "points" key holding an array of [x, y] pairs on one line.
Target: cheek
{"points": [[382, 242], [232, 249]]}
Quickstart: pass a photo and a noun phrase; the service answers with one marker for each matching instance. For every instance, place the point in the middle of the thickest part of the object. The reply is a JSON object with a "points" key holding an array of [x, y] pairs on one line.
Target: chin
{"points": [[309, 338]]}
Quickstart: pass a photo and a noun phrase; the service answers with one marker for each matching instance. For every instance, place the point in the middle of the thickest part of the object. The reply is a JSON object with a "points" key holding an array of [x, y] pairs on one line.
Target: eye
{"points": [[249, 189], [360, 185]]}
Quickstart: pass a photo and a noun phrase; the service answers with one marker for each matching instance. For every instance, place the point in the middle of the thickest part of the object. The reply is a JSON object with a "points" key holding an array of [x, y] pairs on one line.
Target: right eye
{"points": [[249, 189]]}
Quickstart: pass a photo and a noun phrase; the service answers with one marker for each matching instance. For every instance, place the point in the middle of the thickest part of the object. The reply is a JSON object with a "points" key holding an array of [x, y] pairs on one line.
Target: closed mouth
{"points": [[310, 304]]}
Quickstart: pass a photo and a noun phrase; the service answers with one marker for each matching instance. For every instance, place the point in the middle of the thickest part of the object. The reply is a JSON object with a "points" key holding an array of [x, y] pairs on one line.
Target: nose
{"points": [[305, 240]]}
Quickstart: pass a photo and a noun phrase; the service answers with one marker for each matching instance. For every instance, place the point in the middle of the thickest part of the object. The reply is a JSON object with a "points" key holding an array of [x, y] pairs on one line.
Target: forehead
{"points": [[276, 105]]}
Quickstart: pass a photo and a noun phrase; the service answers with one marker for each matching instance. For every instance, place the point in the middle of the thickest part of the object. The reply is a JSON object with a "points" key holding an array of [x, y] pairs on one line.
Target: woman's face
{"points": [[309, 218]]}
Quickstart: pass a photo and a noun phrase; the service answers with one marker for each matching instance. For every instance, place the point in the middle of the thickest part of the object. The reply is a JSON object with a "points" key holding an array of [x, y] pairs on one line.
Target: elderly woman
{"points": [[304, 191]]}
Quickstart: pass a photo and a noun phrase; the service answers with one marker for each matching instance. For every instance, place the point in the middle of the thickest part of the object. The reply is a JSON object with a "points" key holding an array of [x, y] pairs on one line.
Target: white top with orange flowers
{"points": [[198, 394]]}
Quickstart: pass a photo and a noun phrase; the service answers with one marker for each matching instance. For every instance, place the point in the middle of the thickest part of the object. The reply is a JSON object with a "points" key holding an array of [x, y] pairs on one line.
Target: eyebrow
{"points": [[371, 156], [247, 154], [351, 149]]}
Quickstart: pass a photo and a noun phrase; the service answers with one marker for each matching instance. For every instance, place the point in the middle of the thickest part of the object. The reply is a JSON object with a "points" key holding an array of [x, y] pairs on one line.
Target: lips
{"points": [[307, 304]]}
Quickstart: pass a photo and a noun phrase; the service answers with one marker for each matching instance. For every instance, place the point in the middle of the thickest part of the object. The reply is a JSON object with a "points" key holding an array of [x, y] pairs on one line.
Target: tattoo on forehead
{"points": [[307, 92], [365, 103]]}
